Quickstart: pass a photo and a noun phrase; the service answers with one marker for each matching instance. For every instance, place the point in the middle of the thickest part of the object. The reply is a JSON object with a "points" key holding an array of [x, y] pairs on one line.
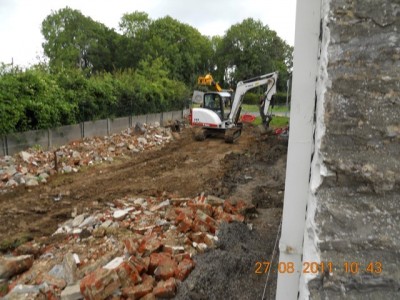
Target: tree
{"points": [[133, 23], [75, 41], [249, 49], [185, 51]]}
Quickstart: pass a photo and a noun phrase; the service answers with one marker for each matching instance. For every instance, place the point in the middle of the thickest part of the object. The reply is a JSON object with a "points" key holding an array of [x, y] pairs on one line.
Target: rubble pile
{"points": [[34, 166], [138, 248]]}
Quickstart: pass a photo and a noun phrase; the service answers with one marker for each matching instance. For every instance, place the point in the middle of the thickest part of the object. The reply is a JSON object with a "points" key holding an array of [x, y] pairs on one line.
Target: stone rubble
{"points": [[34, 166], [145, 249]]}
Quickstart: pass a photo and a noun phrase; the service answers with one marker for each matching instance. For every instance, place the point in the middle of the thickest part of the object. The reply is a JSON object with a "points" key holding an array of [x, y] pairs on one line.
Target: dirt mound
{"points": [[228, 271]]}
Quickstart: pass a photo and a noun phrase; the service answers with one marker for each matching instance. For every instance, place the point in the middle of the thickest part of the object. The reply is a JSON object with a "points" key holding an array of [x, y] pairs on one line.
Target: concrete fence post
{"points": [[82, 129], [50, 139], [108, 126], [4, 144]]}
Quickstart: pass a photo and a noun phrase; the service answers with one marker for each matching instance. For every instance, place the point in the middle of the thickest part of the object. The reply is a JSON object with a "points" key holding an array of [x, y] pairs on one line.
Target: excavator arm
{"points": [[246, 85]]}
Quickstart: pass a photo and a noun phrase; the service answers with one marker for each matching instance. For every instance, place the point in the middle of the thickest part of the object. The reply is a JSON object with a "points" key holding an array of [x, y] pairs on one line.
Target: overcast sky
{"points": [[20, 20]]}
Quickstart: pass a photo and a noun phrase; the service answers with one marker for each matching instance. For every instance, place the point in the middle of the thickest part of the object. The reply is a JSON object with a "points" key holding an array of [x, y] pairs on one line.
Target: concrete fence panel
{"points": [[177, 115], [153, 118], [21, 140], [51, 138], [141, 119], [166, 117], [65, 134], [119, 124], [95, 128]]}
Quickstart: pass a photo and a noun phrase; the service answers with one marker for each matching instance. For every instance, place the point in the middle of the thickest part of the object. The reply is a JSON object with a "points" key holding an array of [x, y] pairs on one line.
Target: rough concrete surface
{"points": [[357, 205]]}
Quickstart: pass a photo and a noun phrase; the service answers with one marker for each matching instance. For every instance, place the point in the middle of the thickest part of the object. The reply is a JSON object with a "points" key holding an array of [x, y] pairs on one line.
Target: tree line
{"points": [[93, 72]]}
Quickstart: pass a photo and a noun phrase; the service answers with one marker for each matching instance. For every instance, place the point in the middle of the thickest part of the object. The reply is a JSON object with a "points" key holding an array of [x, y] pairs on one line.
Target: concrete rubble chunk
{"points": [[67, 169], [72, 292], [25, 156], [139, 128], [78, 220], [142, 140], [70, 268], [57, 271], [25, 291], [11, 183], [160, 205], [120, 214], [89, 221], [53, 281], [106, 223], [114, 263], [32, 182], [10, 266], [214, 201]]}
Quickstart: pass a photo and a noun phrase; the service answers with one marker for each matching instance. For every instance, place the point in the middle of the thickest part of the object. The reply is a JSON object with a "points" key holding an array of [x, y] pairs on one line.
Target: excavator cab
{"points": [[219, 102]]}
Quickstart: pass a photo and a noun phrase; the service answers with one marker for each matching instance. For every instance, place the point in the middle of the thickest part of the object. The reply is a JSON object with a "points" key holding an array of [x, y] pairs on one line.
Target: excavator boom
{"points": [[208, 80]]}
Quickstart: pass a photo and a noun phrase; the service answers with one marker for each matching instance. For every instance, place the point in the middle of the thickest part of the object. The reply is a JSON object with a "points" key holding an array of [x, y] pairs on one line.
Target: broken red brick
{"points": [[185, 224], [10, 266], [209, 240], [228, 207], [155, 260], [186, 211], [197, 237], [184, 269], [241, 207], [230, 218], [165, 289], [206, 218], [128, 274], [166, 268], [204, 207], [148, 279], [149, 297], [131, 245], [140, 290], [218, 211], [179, 257], [204, 223], [140, 264], [149, 244], [170, 215], [99, 284], [29, 248]]}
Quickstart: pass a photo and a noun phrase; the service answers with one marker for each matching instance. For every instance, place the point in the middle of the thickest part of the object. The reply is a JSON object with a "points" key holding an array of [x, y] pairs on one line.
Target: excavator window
{"points": [[213, 102]]}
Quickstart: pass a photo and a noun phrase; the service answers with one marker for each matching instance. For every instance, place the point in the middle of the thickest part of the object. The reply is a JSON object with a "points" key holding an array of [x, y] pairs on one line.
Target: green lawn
{"points": [[254, 108]]}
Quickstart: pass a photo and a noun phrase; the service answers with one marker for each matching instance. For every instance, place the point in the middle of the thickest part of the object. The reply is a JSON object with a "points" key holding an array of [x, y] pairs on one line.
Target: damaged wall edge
{"points": [[311, 252], [300, 145]]}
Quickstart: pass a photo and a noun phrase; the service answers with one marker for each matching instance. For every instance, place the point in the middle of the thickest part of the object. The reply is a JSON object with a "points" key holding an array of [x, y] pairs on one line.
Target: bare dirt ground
{"points": [[252, 169]]}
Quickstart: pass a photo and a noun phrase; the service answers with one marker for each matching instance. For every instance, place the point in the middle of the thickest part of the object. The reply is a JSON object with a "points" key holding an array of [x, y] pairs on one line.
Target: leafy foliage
{"points": [[36, 99], [249, 49], [73, 40], [150, 66]]}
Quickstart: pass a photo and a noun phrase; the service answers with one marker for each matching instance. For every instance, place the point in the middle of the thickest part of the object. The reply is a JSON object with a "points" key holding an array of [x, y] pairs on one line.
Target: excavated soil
{"points": [[252, 169]]}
